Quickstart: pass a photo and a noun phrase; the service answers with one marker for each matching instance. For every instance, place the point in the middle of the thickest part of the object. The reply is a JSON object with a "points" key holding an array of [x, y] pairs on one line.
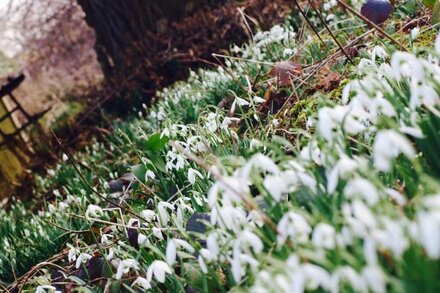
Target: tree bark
{"points": [[122, 29]]}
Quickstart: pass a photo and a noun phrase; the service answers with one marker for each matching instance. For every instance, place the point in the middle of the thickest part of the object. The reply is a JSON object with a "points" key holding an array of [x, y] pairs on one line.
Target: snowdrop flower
{"points": [[343, 168], [212, 122], [350, 118], [387, 146], [159, 269], [412, 131], [255, 144], [349, 275], [365, 63], [212, 244], [93, 211], [165, 133], [149, 175], [192, 173], [202, 264], [148, 215], [46, 288], [143, 240], [231, 188], [414, 33], [157, 233], [258, 100], [249, 239], [329, 4], [324, 236], [111, 254], [363, 188], [142, 283], [422, 94], [125, 266], [83, 257], [315, 277], [275, 185], [163, 214], [363, 213], [51, 172], [378, 52], [226, 122], [374, 278], [73, 253], [311, 152], [275, 122], [260, 162], [406, 65], [171, 251], [295, 226], [241, 102], [429, 233], [437, 44], [396, 196]]}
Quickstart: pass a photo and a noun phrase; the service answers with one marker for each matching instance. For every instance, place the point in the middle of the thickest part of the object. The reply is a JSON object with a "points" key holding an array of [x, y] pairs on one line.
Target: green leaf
{"points": [[155, 142], [436, 13], [157, 161], [139, 171], [429, 3], [77, 280]]}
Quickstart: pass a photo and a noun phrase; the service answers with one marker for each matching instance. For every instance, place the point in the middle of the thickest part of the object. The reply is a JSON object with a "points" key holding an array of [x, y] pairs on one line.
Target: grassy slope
{"points": [[188, 114]]}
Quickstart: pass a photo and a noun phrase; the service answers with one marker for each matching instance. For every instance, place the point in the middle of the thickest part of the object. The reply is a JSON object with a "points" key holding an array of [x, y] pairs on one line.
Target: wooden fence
{"points": [[15, 153]]}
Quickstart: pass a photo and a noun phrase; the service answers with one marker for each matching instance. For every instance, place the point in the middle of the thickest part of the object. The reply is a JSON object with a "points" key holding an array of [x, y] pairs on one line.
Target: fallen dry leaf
{"points": [[285, 72]]}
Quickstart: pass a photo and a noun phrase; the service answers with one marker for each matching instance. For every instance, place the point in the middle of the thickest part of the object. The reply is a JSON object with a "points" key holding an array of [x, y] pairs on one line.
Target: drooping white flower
{"points": [[171, 252], [429, 233], [162, 212], [157, 233], [212, 124], [375, 279], [293, 226], [241, 102], [202, 264], [363, 188], [260, 162], [275, 185], [324, 235], [258, 100], [249, 239], [149, 175], [348, 275], [73, 253], [387, 146], [143, 240], [125, 266], [82, 258], [46, 288], [192, 173], [378, 52], [148, 215], [159, 269], [414, 33], [141, 283], [93, 211]]}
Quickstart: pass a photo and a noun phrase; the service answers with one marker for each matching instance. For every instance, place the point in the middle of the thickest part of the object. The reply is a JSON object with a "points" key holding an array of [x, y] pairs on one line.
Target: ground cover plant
{"points": [[290, 168]]}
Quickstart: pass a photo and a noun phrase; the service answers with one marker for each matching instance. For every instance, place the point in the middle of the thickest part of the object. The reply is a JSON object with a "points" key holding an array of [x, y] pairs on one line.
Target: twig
{"points": [[310, 24], [330, 32]]}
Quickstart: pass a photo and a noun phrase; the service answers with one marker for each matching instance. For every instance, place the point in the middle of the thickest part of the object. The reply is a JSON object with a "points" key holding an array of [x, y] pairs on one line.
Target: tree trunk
{"points": [[125, 29]]}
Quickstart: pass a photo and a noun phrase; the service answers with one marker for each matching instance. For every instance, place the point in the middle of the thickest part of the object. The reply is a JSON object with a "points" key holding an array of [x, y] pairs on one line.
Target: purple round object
{"points": [[377, 11]]}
